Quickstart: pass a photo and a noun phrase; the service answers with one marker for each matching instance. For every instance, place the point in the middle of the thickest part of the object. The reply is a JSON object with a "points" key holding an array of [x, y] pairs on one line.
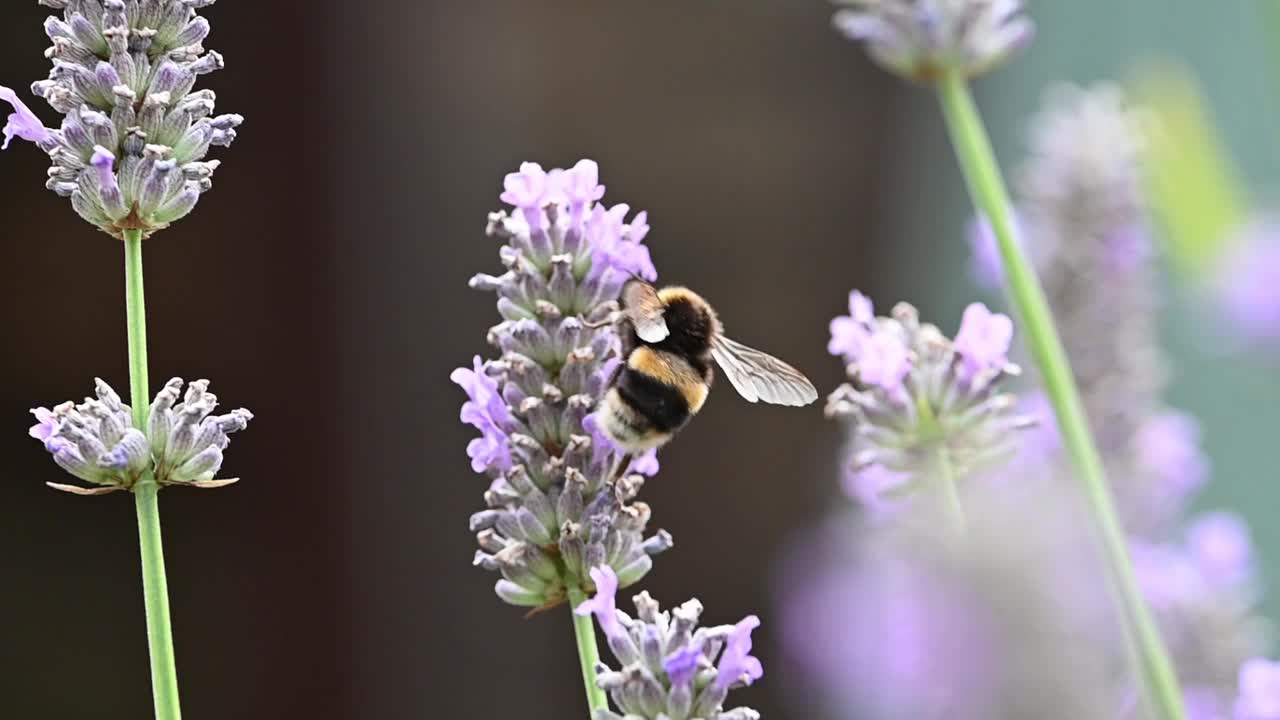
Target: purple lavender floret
{"points": [[97, 441], [561, 495], [130, 149], [669, 668]]}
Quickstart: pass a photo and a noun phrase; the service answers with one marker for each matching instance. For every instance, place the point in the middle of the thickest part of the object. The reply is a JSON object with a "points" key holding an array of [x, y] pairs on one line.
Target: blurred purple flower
{"points": [[1220, 545], [902, 621], [914, 392], [1259, 697], [883, 360], [22, 122], [1168, 446], [983, 340], [923, 40], [1248, 283], [873, 486], [849, 332]]}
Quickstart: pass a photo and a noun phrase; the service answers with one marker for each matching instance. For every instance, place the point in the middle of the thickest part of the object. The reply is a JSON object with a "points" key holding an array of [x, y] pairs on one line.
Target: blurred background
{"points": [[322, 284]]}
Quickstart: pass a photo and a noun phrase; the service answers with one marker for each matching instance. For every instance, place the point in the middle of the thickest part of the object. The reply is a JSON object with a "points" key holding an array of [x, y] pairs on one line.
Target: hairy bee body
{"points": [[670, 339], [661, 385]]}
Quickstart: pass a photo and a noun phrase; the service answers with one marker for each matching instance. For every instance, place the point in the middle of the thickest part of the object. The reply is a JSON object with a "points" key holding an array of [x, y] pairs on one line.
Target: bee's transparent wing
{"points": [[644, 309], [761, 376]]}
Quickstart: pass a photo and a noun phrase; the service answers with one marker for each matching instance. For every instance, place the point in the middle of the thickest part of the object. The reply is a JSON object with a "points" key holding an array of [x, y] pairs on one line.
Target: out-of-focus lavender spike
{"points": [[922, 39]]}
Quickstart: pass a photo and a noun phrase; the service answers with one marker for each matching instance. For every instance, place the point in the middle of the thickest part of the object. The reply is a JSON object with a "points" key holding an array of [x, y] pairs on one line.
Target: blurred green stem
{"points": [[986, 186], [931, 431], [588, 654], [155, 587]]}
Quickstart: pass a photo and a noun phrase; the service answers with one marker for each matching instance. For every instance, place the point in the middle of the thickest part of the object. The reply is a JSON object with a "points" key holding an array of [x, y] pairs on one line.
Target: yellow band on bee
{"points": [[670, 370]]}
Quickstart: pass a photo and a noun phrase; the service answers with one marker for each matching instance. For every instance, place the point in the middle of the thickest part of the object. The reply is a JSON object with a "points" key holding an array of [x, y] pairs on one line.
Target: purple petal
{"points": [[1220, 544], [646, 464], [883, 360], [527, 188], [46, 425], [983, 340], [105, 162], [22, 122], [602, 605], [736, 661], [682, 665]]}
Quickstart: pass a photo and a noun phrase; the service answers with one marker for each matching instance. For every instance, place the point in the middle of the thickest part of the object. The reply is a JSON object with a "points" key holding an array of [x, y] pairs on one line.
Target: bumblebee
{"points": [[669, 339]]}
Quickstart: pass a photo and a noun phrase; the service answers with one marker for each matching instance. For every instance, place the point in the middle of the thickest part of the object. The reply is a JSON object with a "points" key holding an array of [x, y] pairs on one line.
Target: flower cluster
{"points": [[561, 498], [131, 147], [918, 399], [922, 39], [98, 442], [669, 664]]}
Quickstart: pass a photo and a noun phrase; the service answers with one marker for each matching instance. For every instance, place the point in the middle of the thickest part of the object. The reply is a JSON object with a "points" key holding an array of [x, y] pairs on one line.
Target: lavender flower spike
{"points": [[123, 77], [669, 668], [922, 39], [97, 441], [914, 393], [560, 498]]}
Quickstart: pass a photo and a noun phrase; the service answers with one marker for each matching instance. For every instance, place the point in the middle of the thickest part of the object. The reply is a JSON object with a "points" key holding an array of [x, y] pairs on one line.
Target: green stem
{"points": [[950, 489], [931, 431], [986, 185], [588, 654], [155, 587]]}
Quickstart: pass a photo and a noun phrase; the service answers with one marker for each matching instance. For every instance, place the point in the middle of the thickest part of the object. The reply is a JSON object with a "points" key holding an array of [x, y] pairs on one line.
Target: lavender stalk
{"points": [[986, 185], [944, 44], [155, 585], [130, 155], [588, 653]]}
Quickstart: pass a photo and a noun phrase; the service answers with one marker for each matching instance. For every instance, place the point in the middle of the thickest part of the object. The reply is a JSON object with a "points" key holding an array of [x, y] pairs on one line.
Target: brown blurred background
{"points": [[323, 285]]}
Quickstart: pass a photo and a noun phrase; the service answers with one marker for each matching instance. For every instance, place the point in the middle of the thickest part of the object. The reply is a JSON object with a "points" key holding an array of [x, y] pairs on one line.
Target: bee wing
{"points": [[644, 309], [761, 376]]}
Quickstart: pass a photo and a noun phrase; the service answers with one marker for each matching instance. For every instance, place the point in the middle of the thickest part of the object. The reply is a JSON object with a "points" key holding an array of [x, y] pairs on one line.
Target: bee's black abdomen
{"points": [[661, 404]]}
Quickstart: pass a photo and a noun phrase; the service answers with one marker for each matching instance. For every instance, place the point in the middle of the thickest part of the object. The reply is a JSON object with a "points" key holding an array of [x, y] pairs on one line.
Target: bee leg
{"points": [[624, 466], [610, 319]]}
